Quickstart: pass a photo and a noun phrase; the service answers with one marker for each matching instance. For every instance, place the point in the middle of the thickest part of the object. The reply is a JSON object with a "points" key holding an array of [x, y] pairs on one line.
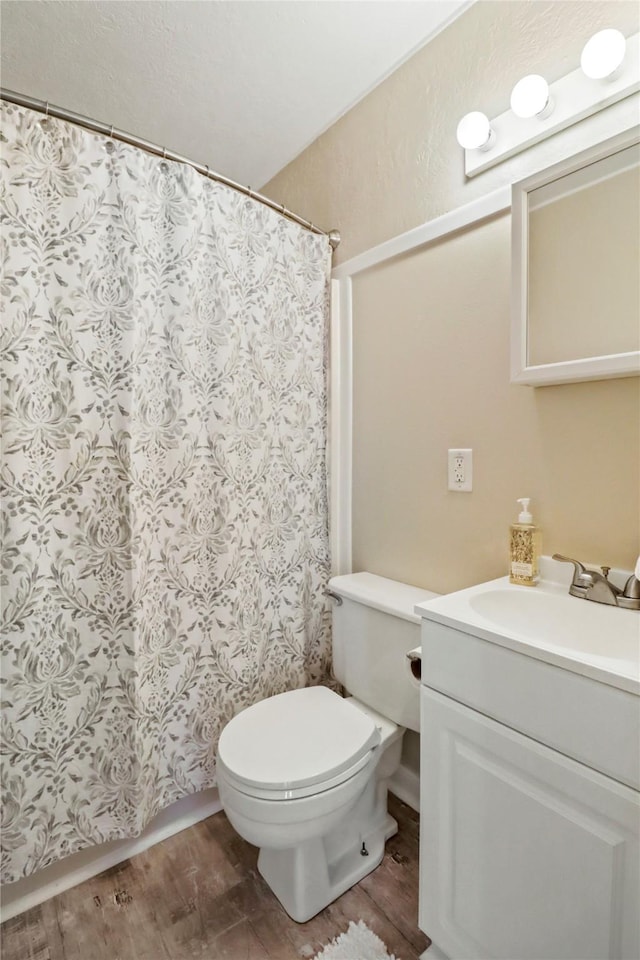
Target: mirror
{"points": [[576, 267]]}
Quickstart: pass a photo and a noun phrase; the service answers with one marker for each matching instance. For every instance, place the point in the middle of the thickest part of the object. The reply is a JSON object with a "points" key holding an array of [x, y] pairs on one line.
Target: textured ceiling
{"points": [[243, 86]]}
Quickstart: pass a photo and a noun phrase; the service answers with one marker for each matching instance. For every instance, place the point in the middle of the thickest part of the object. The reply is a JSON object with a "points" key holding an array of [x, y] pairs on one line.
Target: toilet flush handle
{"points": [[334, 596], [415, 662]]}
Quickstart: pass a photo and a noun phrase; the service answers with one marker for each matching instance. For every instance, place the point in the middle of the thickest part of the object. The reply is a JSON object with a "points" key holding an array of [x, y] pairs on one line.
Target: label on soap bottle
{"points": [[521, 569]]}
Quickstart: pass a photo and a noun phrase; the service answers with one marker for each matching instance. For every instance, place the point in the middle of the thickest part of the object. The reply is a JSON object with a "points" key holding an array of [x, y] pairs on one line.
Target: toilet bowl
{"points": [[303, 775]]}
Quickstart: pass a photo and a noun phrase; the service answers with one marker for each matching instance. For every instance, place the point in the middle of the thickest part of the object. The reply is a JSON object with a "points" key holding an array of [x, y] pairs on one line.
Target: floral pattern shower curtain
{"points": [[164, 504]]}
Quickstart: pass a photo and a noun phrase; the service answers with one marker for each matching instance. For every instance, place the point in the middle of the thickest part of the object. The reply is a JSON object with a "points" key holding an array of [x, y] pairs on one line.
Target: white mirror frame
{"points": [[567, 371]]}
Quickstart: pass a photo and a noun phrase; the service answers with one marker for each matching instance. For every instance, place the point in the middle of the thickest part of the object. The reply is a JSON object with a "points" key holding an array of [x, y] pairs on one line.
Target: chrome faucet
{"points": [[592, 585]]}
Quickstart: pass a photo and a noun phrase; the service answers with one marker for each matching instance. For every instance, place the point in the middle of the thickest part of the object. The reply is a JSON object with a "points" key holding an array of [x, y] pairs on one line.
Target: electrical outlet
{"points": [[460, 464]]}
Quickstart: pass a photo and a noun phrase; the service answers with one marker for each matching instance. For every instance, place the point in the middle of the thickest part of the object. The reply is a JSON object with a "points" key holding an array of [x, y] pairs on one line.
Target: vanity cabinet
{"points": [[530, 827]]}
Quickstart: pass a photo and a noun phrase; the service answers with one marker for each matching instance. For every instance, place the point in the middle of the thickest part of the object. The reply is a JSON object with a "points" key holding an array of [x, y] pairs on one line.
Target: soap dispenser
{"points": [[524, 546]]}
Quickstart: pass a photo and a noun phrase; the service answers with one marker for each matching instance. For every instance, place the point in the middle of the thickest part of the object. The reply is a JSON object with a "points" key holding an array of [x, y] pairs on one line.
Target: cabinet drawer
{"points": [[568, 712]]}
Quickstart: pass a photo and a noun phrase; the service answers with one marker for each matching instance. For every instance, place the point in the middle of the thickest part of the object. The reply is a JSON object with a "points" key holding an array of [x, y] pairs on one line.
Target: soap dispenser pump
{"points": [[524, 547]]}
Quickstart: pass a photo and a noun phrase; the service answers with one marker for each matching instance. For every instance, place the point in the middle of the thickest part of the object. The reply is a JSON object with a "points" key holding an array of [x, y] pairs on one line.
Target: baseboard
{"points": [[405, 784], [433, 953], [29, 892]]}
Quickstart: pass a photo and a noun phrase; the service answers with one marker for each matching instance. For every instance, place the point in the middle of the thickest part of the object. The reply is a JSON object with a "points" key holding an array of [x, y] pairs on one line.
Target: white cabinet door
{"points": [[525, 854]]}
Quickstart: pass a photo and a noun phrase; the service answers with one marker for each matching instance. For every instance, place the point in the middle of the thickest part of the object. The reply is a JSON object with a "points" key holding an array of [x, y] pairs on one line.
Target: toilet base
{"points": [[310, 876]]}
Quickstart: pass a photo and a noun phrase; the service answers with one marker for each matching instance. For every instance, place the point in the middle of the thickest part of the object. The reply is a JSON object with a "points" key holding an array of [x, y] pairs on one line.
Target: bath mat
{"points": [[358, 943]]}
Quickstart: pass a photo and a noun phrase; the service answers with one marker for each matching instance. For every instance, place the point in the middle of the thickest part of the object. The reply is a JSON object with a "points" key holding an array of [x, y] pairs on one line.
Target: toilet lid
{"points": [[296, 739]]}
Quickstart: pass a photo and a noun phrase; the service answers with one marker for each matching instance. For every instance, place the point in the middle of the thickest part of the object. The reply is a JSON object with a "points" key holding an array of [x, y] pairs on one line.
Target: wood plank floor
{"points": [[198, 896]]}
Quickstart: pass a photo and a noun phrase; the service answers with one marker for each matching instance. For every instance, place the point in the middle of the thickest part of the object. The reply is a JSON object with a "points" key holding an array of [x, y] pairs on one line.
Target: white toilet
{"points": [[303, 775]]}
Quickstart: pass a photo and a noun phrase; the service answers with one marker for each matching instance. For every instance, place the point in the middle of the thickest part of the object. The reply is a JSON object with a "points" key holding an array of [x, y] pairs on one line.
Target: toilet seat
{"points": [[293, 792], [296, 744]]}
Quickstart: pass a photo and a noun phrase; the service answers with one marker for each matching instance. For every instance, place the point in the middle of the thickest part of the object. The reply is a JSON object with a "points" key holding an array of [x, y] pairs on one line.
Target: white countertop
{"points": [[545, 622]]}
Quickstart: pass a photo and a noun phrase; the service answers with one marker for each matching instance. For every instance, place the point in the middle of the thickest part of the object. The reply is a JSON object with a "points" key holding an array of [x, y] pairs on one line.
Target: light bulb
{"points": [[603, 55], [530, 97], [474, 132]]}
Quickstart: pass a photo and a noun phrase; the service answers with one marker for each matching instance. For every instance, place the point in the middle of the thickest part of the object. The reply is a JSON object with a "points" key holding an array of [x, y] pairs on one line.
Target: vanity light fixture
{"points": [[530, 98], [474, 132], [603, 55], [539, 109]]}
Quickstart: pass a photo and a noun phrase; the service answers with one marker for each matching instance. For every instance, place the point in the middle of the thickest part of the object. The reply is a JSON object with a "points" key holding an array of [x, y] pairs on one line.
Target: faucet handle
{"points": [[582, 578], [580, 575]]}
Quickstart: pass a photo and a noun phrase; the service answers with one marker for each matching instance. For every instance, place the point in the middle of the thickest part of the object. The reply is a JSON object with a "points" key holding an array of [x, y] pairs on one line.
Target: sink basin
{"points": [[594, 639], [578, 625]]}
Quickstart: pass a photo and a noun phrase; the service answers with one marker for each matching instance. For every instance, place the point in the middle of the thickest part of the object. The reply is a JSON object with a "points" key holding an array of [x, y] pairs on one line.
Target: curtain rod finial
{"points": [[334, 238]]}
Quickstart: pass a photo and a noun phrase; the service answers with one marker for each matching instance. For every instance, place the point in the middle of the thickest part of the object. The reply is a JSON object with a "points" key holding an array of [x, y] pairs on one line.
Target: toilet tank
{"points": [[373, 630]]}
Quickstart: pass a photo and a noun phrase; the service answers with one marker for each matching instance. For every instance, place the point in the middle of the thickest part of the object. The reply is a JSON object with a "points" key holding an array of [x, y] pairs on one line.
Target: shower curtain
{"points": [[165, 544]]}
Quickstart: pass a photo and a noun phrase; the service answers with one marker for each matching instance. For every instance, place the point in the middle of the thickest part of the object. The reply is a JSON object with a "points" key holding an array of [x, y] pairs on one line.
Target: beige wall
{"points": [[431, 371], [431, 332]]}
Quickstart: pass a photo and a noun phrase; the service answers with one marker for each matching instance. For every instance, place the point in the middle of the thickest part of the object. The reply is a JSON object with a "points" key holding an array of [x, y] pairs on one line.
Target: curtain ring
{"points": [[164, 153], [46, 109], [109, 145], [206, 166]]}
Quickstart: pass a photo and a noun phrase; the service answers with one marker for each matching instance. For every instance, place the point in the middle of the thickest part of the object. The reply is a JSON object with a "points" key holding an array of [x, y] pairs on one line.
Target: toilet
{"points": [[303, 775]]}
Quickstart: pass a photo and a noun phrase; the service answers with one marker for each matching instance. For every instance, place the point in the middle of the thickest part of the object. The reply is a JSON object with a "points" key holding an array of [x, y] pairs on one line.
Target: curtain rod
{"points": [[108, 130]]}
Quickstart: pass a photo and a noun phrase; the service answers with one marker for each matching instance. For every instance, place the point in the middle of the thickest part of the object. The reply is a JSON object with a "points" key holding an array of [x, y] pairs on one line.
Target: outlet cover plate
{"points": [[460, 470]]}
